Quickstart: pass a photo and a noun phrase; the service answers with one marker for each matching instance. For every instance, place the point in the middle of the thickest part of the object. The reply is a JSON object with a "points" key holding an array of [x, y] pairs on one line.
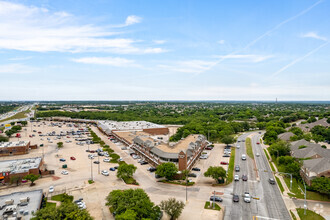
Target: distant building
{"points": [[307, 127], [21, 205], [14, 148], [317, 163], [20, 168]]}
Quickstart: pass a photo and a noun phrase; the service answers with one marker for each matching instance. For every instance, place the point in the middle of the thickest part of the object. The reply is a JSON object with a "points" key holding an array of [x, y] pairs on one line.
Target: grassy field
{"points": [[51, 204], [310, 215], [209, 205], [249, 150], [230, 171], [296, 192], [17, 116], [62, 198], [279, 184]]}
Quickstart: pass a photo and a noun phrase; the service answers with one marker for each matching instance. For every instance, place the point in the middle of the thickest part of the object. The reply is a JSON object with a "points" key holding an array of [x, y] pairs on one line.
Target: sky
{"points": [[165, 50]]}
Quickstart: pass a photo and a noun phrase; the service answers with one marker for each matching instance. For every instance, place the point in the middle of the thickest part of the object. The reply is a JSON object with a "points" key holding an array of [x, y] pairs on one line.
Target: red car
{"points": [[72, 158], [258, 143], [224, 163]]}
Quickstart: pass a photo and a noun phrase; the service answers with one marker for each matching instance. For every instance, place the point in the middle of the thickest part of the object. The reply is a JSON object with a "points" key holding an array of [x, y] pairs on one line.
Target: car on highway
{"points": [[247, 197], [72, 158], [257, 154], [224, 163], [237, 169], [244, 177], [271, 181], [51, 189], [238, 147], [235, 198], [243, 157], [62, 160], [64, 172], [258, 142], [106, 160], [196, 169], [105, 173], [96, 162], [236, 177], [215, 198]]}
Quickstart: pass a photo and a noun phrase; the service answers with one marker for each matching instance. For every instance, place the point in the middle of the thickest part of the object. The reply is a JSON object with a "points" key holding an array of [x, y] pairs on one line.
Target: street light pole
{"points": [[91, 170], [305, 205]]}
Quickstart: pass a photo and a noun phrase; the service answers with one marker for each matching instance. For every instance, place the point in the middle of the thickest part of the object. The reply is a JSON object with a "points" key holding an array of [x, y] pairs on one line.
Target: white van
{"points": [[243, 157]]}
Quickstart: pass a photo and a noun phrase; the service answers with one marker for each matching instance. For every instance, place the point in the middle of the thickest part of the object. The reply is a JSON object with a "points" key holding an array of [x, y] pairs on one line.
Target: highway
{"points": [[267, 202]]}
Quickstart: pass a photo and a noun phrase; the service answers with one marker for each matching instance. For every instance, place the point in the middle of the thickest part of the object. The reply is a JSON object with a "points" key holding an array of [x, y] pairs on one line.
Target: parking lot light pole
{"points": [[91, 170], [214, 199]]}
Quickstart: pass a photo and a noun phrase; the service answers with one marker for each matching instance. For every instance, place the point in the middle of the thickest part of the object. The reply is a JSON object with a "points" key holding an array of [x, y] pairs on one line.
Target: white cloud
{"points": [[314, 35], [16, 68], [189, 66], [29, 28], [221, 41], [159, 41], [111, 61], [132, 19], [246, 57]]}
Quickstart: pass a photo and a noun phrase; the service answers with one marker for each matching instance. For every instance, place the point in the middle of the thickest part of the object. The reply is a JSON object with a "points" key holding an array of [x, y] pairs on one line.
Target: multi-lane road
{"points": [[266, 202]]}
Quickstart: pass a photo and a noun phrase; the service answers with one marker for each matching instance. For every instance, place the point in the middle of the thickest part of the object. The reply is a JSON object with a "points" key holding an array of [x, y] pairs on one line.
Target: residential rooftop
{"points": [[20, 165], [14, 144], [35, 199]]}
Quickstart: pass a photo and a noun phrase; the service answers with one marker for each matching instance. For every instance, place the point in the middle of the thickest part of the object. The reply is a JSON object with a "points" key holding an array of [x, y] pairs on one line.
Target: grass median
{"points": [[249, 150], [230, 171], [279, 184]]}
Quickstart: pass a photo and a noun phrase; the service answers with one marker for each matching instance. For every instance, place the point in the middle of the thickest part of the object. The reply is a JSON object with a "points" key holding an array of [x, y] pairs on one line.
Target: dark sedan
{"points": [[235, 198], [244, 177], [196, 169], [215, 198]]}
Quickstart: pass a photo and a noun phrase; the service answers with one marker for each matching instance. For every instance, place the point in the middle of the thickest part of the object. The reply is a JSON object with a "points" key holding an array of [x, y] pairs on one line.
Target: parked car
{"points": [[226, 155], [96, 162], [244, 177], [106, 160], [247, 197], [192, 175], [203, 156], [51, 189], [144, 163], [215, 198], [224, 163], [112, 169], [62, 160], [72, 158], [235, 198], [157, 176], [105, 173], [64, 172], [237, 169], [151, 169], [196, 169], [236, 177], [271, 181]]}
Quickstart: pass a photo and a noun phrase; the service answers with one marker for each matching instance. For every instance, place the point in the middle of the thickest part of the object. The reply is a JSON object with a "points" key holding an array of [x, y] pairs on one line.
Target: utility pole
{"points": [[98, 157], [186, 189], [214, 199], [91, 170]]}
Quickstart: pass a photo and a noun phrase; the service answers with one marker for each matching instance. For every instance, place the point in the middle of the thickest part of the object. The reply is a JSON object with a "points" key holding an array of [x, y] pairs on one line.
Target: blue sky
{"points": [[164, 50]]}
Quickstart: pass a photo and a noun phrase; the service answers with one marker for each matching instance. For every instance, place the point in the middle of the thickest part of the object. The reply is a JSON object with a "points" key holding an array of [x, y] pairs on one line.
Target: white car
{"points": [[106, 160], [247, 197], [135, 156], [257, 154], [237, 146], [51, 189], [64, 172], [81, 205], [236, 177], [204, 156], [243, 157], [105, 173]]}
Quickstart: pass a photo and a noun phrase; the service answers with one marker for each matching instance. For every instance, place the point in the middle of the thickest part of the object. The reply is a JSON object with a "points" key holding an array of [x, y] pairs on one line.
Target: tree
{"points": [[66, 210], [32, 178], [60, 144], [227, 139], [168, 170], [133, 199], [126, 170], [24, 123], [216, 173], [127, 215], [279, 148], [328, 120], [15, 179], [321, 184], [13, 123], [8, 133], [172, 207]]}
